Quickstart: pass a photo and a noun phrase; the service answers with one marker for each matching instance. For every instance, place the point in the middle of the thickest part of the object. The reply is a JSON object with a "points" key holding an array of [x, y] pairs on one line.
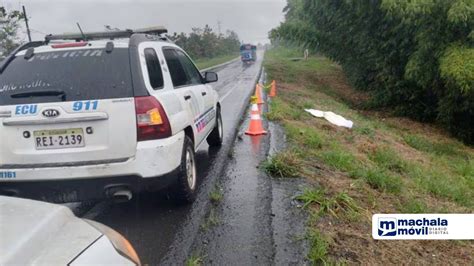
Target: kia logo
{"points": [[50, 113]]}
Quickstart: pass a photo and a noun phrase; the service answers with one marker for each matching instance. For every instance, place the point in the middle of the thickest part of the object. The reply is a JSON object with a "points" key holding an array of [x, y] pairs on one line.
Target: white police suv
{"points": [[105, 114]]}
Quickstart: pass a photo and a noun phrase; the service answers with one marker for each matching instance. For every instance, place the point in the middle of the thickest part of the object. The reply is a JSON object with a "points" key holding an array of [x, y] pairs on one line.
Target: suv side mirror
{"points": [[210, 77]]}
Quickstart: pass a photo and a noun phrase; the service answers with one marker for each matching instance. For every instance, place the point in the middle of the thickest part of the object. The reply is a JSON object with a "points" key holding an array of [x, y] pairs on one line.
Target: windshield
{"points": [[72, 74]]}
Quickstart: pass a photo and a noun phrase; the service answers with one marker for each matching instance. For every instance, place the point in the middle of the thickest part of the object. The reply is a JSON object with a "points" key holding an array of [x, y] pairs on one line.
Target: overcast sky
{"points": [[251, 19]]}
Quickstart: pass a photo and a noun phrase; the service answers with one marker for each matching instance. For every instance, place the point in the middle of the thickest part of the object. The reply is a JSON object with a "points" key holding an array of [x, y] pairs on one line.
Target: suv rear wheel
{"points": [[187, 175], [217, 134]]}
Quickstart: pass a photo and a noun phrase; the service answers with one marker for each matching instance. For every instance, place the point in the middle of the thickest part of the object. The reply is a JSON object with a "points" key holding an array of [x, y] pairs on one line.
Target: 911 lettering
{"points": [[29, 109], [85, 106]]}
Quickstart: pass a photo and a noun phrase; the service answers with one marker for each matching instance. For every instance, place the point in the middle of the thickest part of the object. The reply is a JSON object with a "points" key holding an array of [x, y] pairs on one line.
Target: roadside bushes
{"points": [[416, 57], [10, 25], [205, 43]]}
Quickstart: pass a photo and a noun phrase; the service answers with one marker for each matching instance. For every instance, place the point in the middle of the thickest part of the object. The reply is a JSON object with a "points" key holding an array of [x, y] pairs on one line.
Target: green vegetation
{"points": [[338, 159], [380, 166], [320, 204], [207, 47], [340, 203], [216, 195], [195, 260], [8, 30], [387, 158], [283, 164], [306, 136], [319, 247], [445, 167], [211, 220], [436, 148], [413, 206], [380, 179], [414, 57], [203, 63]]}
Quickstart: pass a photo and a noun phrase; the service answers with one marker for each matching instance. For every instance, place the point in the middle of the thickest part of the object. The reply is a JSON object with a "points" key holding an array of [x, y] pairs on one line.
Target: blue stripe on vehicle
{"points": [[201, 116], [204, 119]]}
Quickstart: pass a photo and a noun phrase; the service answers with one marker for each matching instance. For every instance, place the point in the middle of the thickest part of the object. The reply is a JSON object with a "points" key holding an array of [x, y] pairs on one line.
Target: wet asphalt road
{"points": [[257, 222], [160, 231]]}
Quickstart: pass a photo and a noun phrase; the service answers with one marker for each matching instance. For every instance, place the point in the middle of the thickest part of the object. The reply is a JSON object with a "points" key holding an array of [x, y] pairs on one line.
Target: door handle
{"points": [[187, 97], [203, 93]]}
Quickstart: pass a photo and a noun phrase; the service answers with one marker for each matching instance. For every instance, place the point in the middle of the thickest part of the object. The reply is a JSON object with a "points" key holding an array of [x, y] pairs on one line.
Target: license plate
{"points": [[59, 139]]}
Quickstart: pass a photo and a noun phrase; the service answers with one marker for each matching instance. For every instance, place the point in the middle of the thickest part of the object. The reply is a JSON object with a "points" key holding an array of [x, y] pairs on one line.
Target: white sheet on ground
{"points": [[331, 117]]}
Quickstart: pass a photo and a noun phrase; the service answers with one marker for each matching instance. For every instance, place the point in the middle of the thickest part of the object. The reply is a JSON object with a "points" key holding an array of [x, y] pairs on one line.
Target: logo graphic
{"points": [[50, 113], [422, 226], [387, 227]]}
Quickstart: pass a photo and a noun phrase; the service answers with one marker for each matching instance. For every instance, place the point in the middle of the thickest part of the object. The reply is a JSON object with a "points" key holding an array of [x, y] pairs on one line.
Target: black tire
{"points": [[217, 134], [186, 185]]}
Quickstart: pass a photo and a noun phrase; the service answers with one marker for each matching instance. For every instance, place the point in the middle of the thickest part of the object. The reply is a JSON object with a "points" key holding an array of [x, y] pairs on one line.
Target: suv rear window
{"points": [[68, 75]]}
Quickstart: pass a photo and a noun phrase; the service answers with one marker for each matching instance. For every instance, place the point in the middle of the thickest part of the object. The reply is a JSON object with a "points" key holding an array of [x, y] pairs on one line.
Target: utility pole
{"points": [[219, 26], [26, 22]]}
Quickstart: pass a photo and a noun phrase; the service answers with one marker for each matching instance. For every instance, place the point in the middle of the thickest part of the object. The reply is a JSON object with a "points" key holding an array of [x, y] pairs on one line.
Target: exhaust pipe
{"points": [[122, 195], [119, 194]]}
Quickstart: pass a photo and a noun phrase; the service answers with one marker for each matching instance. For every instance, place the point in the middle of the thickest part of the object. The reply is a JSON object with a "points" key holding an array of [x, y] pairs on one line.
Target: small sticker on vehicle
{"points": [[204, 119], [7, 174], [121, 100]]}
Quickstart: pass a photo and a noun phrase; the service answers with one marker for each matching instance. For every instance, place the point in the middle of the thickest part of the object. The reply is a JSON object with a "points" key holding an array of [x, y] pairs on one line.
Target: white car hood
{"points": [[38, 233]]}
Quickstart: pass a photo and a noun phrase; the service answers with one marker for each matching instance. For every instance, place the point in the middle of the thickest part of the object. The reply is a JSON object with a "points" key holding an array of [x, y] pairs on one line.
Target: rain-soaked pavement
{"points": [[257, 222], [256, 216]]}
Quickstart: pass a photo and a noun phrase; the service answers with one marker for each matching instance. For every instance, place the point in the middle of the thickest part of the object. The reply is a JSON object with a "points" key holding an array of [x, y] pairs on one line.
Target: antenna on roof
{"points": [[82, 33]]}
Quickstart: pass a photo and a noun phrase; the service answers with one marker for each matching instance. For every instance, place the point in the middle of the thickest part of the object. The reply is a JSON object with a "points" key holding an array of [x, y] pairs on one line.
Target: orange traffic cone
{"points": [[273, 91], [255, 127], [258, 94]]}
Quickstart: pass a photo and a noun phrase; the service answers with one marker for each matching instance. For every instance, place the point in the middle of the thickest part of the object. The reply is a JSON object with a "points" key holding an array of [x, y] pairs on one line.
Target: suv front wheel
{"points": [[187, 175]]}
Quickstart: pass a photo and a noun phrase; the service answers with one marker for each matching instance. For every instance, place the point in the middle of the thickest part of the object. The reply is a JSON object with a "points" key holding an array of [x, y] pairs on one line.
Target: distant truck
{"points": [[248, 53]]}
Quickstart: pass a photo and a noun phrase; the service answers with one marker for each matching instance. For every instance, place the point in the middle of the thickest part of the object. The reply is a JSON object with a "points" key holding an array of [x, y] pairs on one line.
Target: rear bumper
{"points": [[74, 190], [154, 161]]}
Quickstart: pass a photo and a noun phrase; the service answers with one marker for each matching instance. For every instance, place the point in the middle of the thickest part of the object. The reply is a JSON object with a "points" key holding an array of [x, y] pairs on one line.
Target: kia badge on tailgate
{"points": [[50, 113]]}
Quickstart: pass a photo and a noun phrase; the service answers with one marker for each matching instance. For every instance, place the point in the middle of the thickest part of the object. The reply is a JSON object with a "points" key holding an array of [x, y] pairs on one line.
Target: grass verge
{"points": [[203, 63], [384, 164], [283, 164], [319, 247]]}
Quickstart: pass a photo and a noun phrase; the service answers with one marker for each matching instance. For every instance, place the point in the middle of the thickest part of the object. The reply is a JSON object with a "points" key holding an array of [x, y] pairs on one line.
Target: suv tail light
{"points": [[152, 121]]}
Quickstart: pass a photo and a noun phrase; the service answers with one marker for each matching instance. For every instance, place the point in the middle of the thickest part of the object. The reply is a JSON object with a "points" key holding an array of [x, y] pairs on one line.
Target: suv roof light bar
{"points": [[105, 34]]}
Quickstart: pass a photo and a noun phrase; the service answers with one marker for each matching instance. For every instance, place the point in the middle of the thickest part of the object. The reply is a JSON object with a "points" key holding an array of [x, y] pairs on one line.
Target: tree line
{"points": [[9, 25], [415, 57], [205, 43]]}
